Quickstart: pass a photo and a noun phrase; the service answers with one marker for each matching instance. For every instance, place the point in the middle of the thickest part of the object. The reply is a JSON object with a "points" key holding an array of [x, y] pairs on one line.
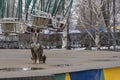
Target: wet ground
{"points": [[17, 62]]}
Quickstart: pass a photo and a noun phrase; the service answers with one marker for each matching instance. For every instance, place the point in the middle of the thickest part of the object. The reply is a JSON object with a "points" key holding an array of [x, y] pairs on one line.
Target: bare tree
{"points": [[93, 14], [90, 17]]}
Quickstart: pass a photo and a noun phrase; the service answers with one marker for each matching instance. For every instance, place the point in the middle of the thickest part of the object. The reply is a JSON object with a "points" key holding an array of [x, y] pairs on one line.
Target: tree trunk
{"points": [[64, 38], [97, 40], [114, 38]]}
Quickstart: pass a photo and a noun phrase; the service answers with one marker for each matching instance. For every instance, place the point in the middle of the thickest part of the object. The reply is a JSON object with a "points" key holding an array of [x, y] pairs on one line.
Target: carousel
{"points": [[36, 15]]}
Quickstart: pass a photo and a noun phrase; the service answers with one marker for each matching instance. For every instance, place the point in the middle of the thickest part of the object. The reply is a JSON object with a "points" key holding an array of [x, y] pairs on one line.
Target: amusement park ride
{"points": [[37, 15]]}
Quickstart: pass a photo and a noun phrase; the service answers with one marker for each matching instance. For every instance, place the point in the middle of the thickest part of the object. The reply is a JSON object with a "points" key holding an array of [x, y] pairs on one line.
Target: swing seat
{"points": [[9, 25], [40, 22], [55, 25], [52, 24]]}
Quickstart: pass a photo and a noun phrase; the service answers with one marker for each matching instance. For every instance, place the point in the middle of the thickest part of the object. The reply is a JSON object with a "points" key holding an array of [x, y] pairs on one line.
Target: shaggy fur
{"points": [[36, 49], [37, 52]]}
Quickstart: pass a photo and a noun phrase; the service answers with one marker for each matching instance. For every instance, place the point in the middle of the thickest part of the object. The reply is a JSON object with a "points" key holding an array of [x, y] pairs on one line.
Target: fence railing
{"points": [[76, 40]]}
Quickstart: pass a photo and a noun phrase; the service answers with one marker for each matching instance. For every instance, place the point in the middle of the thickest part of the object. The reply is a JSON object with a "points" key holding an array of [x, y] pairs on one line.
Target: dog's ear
{"points": [[38, 30], [29, 29]]}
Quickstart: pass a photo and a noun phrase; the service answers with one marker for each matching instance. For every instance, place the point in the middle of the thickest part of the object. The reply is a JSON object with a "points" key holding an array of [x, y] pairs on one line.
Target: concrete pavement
{"points": [[58, 61]]}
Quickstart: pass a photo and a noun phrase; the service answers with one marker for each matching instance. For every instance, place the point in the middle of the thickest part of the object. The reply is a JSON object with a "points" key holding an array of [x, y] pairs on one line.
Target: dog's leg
{"points": [[33, 56], [37, 56]]}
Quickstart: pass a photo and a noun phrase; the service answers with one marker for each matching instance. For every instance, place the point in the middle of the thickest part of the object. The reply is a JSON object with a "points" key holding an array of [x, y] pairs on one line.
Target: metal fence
{"points": [[50, 41]]}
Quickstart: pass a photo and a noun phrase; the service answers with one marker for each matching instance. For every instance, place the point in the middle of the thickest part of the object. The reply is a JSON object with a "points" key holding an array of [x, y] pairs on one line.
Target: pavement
{"points": [[58, 61]]}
